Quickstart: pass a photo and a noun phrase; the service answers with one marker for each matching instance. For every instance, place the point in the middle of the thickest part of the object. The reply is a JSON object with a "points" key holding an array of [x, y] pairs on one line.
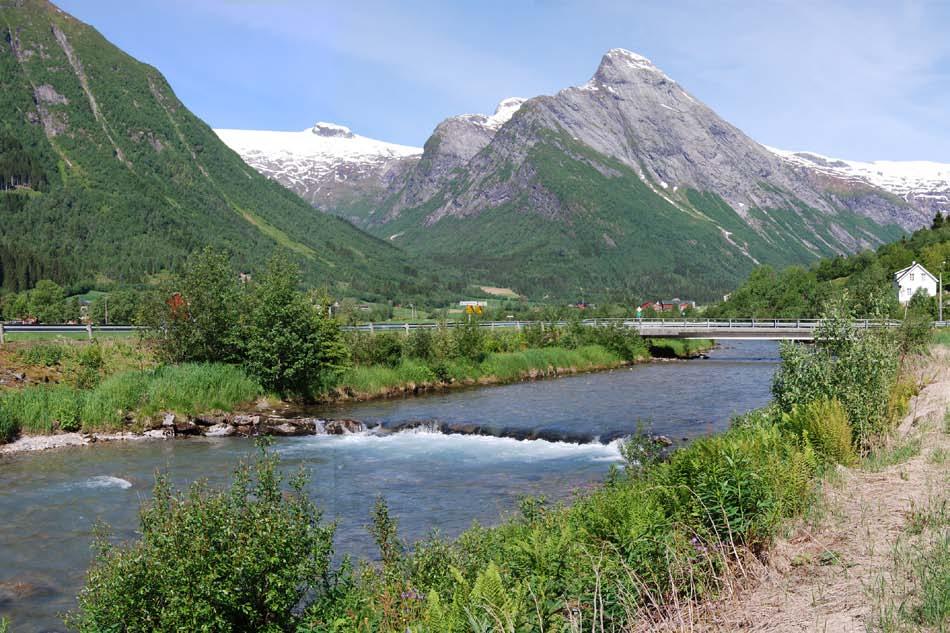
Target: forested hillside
{"points": [[865, 279], [105, 175]]}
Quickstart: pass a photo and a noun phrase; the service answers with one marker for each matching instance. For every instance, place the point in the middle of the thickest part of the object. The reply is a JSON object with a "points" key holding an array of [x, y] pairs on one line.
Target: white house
{"points": [[911, 279]]}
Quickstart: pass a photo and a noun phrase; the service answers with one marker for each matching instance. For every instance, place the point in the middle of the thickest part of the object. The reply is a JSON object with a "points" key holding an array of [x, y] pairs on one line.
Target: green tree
{"points": [[203, 324], [289, 343], [234, 560], [47, 301], [121, 306]]}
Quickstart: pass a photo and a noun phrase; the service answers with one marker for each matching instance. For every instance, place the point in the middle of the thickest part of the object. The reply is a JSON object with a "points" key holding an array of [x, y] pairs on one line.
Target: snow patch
{"points": [[912, 177]]}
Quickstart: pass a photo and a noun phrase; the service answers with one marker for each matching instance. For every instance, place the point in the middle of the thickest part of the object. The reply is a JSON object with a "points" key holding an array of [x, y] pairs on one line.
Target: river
{"points": [[49, 502]]}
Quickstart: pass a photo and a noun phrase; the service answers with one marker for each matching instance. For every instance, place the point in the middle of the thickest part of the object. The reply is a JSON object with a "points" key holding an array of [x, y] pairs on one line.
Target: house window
{"points": [[912, 276]]}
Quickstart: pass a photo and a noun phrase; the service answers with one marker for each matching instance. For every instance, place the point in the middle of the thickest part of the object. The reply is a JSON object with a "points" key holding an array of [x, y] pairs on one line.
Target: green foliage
{"points": [[47, 354], [824, 425], [288, 343], [186, 389], [865, 278], [855, 367], [203, 325], [131, 189], [239, 559]]}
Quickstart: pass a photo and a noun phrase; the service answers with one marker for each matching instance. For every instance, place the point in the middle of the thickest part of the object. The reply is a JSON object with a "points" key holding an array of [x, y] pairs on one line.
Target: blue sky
{"points": [[860, 80]]}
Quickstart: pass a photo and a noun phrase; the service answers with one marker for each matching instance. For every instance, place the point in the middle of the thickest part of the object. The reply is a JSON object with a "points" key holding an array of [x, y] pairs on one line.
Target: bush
{"points": [[46, 354], [241, 559], [288, 343], [738, 485], [201, 323], [824, 425], [856, 368]]}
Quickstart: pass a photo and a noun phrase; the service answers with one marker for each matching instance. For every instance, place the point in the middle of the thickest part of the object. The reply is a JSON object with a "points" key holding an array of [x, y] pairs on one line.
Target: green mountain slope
{"points": [[613, 234], [104, 173]]}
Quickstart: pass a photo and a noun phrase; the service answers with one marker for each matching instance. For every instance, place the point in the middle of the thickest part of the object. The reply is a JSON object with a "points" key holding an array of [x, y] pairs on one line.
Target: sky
{"points": [[860, 80]]}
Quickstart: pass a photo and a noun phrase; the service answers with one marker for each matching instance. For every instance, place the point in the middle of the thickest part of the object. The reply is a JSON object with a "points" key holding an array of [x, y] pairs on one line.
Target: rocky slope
{"points": [[328, 165], [629, 182], [923, 184], [105, 174]]}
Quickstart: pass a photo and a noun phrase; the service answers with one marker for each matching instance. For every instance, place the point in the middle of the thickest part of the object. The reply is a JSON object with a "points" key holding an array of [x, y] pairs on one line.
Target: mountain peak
{"points": [[322, 128], [619, 65]]}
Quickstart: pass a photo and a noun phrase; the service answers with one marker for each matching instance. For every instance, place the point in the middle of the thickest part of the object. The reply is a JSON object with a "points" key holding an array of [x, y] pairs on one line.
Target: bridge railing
{"points": [[643, 325]]}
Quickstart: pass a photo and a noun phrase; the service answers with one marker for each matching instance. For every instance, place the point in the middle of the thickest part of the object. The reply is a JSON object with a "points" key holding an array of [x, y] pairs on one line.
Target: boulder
{"points": [[211, 419], [163, 433], [219, 430], [185, 426], [342, 427], [286, 428]]}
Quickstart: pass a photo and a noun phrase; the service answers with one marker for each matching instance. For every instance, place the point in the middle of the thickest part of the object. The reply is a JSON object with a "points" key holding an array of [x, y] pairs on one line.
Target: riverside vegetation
{"points": [[664, 531], [218, 344]]}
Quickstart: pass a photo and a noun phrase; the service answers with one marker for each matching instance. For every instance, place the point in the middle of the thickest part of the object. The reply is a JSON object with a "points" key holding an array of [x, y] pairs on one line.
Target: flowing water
{"points": [[550, 437]]}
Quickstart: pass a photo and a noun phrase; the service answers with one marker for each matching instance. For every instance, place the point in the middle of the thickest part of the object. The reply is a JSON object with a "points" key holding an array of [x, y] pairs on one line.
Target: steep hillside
{"points": [[923, 184], [105, 174], [865, 279], [327, 165]]}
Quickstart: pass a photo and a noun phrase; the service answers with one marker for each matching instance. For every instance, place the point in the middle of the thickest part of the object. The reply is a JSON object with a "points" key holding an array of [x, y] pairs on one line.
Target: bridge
{"points": [[735, 329]]}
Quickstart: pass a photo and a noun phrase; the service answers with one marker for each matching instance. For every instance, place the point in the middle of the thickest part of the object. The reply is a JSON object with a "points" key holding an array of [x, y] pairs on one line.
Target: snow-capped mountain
{"points": [[924, 184], [328, 165]]}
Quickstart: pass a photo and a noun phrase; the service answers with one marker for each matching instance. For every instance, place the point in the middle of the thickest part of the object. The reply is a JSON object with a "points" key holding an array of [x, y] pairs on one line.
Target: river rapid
{"points": [[551, 437]]}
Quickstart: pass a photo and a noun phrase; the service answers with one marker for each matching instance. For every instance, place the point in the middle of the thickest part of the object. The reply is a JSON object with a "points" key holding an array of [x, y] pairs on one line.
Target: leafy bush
{"points": [[287, 342], [738, 485], [46, 354], [856, 368], [824, 425], [240, 559]]}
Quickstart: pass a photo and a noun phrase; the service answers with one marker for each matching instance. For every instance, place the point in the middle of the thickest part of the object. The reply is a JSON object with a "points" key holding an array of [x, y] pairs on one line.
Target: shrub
{"points": [[856, 368], [204, 325], [288, 343], [240, 559], [736, 486], [46, 354], [824, 425]]}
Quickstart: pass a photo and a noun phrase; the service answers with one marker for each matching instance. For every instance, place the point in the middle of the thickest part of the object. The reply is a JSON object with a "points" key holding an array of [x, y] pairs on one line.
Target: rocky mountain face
{"points": [[328, 165], [924, 185], [628, 185], [106, 175]]}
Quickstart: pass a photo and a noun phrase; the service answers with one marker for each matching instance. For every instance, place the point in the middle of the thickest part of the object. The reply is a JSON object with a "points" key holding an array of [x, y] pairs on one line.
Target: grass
{"points": [[891, 454], [20, 337], [186, 389], [942, 336], [916, 595], [500, 367], [677, 348]]}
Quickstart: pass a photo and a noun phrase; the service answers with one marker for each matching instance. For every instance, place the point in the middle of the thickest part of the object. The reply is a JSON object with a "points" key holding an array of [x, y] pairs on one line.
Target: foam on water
{"points": [[423, 441], [107, 481]]}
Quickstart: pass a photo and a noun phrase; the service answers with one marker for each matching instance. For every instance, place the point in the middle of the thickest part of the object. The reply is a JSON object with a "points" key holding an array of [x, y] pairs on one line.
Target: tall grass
{"points": [[186, 389], [498, 367]]}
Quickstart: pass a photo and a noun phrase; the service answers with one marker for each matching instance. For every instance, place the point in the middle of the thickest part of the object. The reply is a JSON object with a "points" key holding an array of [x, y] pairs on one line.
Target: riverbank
{"points": [[874, 554], [413, 376], [219, 400]]}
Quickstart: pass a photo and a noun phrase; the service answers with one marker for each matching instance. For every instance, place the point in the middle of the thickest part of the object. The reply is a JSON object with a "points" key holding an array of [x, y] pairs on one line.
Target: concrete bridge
{"points": [[737, 329]]}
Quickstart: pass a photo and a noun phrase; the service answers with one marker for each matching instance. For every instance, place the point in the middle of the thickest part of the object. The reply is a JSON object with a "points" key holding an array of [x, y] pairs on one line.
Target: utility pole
{"points": [[940, 293]]}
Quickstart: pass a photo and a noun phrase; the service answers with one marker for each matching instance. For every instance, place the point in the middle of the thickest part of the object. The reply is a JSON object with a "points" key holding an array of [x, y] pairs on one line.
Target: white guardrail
{"points": [[643, 325]]}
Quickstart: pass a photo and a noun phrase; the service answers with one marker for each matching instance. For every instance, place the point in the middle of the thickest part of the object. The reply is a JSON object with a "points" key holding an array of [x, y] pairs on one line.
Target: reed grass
{"points": [[186, 389], [499, 367]]}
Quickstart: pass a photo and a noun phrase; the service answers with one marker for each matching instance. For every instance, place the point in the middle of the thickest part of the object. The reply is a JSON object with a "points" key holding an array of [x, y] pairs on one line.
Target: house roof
{"points": [[903, 271]]}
